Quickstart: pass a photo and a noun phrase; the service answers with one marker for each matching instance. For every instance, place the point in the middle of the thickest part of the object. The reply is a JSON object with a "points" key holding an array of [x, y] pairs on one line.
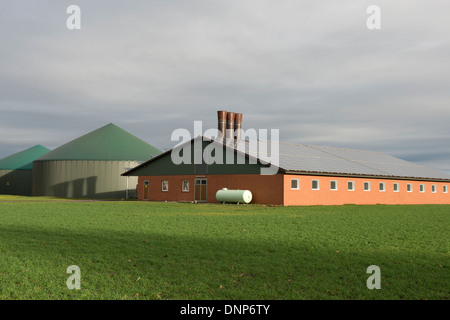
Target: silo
{"points": [[16, 171], [91, 166]]}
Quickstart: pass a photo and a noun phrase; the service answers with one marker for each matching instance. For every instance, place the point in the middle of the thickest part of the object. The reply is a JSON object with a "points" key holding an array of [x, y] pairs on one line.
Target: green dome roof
{"points": [[108, 143], [23, 160]]}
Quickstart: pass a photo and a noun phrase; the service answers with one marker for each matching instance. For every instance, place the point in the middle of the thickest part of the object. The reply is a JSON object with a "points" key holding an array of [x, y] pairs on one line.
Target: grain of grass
{"points": [[151, 250]]}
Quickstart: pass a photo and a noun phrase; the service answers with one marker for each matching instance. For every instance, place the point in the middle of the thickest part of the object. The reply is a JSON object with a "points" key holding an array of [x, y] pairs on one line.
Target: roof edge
{"points": [[259, 161], [356, 175]]}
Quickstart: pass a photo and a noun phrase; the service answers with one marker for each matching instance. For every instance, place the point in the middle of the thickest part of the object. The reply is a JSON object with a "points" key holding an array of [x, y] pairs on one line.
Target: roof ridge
{"points": [[109, 142], [23, 160]]}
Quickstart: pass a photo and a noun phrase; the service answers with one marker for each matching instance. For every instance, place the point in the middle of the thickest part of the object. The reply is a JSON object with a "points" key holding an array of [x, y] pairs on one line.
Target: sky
{"points": [[312, 69]]}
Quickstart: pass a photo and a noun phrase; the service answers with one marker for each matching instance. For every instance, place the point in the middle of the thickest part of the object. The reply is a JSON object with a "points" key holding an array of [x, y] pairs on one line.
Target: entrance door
{"points": [[146, 191], [200, 193]]}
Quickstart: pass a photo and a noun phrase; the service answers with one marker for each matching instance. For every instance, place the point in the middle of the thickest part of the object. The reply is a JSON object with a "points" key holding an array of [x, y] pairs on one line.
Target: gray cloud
{"points": [[310, 68]]}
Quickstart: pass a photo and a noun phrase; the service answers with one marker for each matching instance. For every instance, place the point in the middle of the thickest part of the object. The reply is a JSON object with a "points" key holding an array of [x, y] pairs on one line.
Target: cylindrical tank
{"points": [[234, 196]]}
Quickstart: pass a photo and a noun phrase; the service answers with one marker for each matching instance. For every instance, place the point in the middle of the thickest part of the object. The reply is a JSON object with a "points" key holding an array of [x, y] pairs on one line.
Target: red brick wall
{"points": [[265, 189], [306, 196]]}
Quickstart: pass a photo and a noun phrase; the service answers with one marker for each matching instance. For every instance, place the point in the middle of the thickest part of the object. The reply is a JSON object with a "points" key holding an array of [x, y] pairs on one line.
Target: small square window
{"points": [[185, 186], [366, 186], [315, 184], [165, 185], [409, 187], [333, 185], [433, 188], [396, 188], [295, 184], [382, 186], [445, 189], [422, 188], [350, 186]]}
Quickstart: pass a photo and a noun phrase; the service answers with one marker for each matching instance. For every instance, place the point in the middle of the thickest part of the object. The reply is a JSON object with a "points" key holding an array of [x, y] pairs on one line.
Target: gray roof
{"points": [[320, 160], [303, 158]]}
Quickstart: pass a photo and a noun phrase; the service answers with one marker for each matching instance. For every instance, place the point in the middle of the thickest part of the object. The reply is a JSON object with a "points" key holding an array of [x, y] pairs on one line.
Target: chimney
{"points": [[222, 118], [230, 127], [237, 127]]}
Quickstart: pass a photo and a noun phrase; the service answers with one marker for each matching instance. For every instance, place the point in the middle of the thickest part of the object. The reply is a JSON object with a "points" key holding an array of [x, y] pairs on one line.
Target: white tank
{"points": [[234, 196]]}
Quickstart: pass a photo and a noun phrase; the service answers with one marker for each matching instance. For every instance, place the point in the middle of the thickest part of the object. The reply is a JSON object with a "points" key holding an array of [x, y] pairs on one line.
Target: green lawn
{"points": [[149, 250]]}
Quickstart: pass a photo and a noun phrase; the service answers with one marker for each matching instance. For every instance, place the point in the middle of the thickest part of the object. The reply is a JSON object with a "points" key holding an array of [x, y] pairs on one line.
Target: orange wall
{"points": [[265, 189], [276, 189], [306, 196]]}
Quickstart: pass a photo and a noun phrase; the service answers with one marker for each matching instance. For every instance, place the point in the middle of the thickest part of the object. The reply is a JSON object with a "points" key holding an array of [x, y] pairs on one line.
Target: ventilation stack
{"points": [[230, 127], [237, 128], [222, 122]]}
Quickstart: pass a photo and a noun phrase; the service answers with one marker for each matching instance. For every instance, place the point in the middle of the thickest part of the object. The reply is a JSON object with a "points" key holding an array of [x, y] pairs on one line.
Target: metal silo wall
{"points": [[83, 179]]}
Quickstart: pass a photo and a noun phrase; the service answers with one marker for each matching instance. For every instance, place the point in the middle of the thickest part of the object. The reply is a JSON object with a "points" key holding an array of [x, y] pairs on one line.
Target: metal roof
{"points": [[320, 160], [108, 143], [23, 160], [304, 158]]}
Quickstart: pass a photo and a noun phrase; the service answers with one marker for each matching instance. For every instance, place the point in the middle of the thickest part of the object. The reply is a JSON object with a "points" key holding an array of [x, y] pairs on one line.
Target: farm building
{"points": [[91, 165], [16, 171], [305, 174]]}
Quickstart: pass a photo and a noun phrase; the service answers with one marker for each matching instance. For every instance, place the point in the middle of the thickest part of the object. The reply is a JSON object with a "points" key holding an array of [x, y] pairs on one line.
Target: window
{"points": [[444, 189], [433, 188], [409, 187], [185, 186], [316, 185], [396, 189], [350, 186], [422, 188], [382, 186], [165, 185], [366, 186], [333, 185], [295, 184]]}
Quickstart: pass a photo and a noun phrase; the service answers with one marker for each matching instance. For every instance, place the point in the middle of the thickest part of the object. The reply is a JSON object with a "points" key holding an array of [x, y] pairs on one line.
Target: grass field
{"points": [[150, 250]]}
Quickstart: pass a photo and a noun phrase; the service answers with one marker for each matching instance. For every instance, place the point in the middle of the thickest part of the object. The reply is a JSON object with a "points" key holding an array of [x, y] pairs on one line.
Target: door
{"points": [[146, 191], [200, 193]]}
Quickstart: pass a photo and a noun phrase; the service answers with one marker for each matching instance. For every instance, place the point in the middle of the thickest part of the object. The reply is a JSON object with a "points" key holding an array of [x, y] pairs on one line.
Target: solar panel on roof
{"points": [[309, 158]]}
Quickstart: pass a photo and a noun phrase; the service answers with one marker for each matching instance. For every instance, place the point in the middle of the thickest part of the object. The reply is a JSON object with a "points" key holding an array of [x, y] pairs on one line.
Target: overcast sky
{"points": [[309, 68]]}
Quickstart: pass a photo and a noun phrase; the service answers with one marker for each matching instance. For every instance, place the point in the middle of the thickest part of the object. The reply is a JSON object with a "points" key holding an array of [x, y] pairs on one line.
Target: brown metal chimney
{"points": [[237, 126], [230, 127], [222, 118]]}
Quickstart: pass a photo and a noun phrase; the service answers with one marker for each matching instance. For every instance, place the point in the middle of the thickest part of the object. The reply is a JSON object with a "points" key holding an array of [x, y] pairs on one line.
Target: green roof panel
{"points": [[108, 143], [23, 160]]}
